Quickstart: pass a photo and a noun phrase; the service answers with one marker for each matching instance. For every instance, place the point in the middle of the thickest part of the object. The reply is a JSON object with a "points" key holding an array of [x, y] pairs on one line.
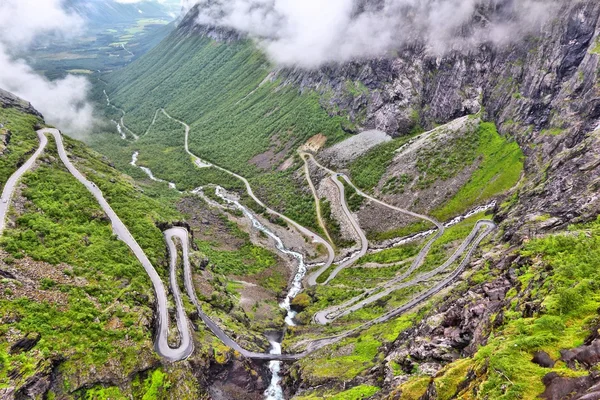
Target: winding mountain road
{"points": [[364, 243], [11, 183], [179, 236], [424, 250], [313, 190], [369, 296], [304, 231], [186, 346], [472, 241]]}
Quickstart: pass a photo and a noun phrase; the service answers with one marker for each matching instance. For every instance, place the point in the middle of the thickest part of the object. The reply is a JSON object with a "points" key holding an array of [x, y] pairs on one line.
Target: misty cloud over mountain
{"points": [[310, 33], [63, 102]]}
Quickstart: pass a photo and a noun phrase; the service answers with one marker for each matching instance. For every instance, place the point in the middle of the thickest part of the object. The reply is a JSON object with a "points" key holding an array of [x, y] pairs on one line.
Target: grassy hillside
{"points": [[67, 280], [494, 164], [559, 274], [22, 140], [239, 118], [82, 299]]}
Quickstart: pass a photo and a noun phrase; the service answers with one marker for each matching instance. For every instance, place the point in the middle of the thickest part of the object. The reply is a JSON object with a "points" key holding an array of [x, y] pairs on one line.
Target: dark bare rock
{"points": [[6, 274], [237, 380], [431, 393], [25, 344], [38, 385], [582, 388], [543, 359], [10, 100], [455, 329], [586, 355]]}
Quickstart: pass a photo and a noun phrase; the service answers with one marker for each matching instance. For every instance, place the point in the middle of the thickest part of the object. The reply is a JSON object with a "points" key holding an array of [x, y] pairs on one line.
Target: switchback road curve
{"points": [[181, 236]]}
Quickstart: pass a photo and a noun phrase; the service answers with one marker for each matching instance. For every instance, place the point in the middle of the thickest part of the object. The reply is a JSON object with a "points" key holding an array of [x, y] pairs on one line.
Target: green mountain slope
{"points": [[69, 286], [77, 308], [239, 118]]}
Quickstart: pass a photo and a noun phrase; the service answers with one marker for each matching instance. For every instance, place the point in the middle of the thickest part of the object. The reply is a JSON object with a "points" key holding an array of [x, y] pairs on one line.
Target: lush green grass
{"points": [[104, 296], [395, 254], [443, 161], [155, 386], [209, 84], [368, 169], [136, 209], [333, 227], [445, 246], [70, 219], [247, 260], [355, 200], [500, 163], [499, 170], [364, 353], [162, 150], [356, 393], [62, 224], [361, 277], [415, 388], [235, 114], [284, 193], [563, 276], [328, 295], [387, 303], [23, 140], [411, 229], [105, 393]]}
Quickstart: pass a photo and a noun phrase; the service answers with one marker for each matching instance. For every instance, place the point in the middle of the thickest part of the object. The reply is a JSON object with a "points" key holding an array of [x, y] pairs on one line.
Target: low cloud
{"points": [[63, 102], [310, 33]]}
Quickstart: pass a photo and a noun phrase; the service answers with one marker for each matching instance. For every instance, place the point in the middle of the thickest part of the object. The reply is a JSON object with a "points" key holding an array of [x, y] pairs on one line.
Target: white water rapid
{"points": [[275, 391]]}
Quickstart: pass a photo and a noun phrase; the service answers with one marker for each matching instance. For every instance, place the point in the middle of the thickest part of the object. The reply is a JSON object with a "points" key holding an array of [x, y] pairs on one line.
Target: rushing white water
{"points": [[471, 213], [452, 222], [148, 171], [274, 391], [120, 129]]}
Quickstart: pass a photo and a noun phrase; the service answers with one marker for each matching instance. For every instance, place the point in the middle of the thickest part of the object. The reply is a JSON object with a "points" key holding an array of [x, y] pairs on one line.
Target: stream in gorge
{"points": [[275, 391]]}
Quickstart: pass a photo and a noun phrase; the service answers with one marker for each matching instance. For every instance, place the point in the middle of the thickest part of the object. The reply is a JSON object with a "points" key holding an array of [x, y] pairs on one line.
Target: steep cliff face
{"points": [[542, 91], [9, 100]]}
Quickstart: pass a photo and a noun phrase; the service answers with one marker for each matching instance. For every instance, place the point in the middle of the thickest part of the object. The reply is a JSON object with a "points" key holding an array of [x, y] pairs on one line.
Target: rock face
{"points": [[455, 329], [543, 359], [587, 355], [582, 388], [10, 100], [541, 90]]}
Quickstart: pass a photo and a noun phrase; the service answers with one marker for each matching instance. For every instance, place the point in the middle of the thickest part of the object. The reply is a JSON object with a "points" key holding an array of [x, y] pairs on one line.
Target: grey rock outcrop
{"points": [[8, 99], [541, 90]]}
